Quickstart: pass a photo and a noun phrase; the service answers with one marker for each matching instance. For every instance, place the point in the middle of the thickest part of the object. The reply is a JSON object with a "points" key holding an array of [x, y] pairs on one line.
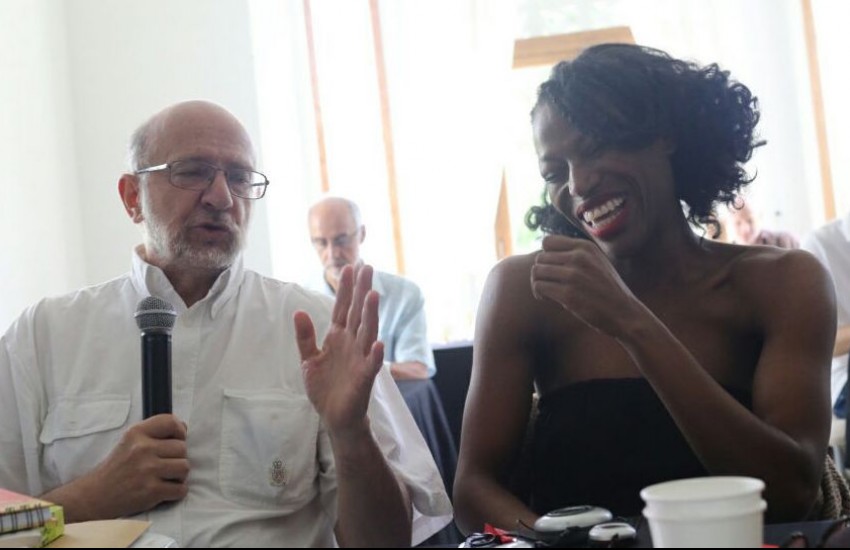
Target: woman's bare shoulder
{"points": [[519, 264], [769, 275], [512, 276], [507, 302], [760, 265]]}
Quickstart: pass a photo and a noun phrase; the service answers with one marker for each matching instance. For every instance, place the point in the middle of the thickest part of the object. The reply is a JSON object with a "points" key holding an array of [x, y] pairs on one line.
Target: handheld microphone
{"points": [[155, 318]]}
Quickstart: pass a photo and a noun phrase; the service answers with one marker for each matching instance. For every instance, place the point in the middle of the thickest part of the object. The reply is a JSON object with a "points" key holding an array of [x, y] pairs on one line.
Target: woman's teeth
{"points": [[595, 215]]}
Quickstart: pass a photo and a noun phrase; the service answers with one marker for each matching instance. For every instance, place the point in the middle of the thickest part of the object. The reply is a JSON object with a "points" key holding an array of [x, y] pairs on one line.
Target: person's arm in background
{"points": [[781, 239], [413, 358], [373, 506], [409, 370], [842, 341]]}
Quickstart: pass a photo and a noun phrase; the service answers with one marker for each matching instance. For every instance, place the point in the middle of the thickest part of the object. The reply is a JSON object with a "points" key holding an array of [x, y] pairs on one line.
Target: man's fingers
{"points": [[305, 335], [171, 448], [343, 297], [173, 490], [163, 426], [368, 331], [362, 286], [376, 357], [174, 469]]}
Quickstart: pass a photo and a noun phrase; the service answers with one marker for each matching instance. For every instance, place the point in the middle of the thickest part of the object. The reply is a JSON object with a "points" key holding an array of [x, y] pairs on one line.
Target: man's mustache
{"points": [[223, 221]]}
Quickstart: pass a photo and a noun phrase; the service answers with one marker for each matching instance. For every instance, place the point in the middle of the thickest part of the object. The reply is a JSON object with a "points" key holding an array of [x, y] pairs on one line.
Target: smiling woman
{"points": [[655, 353]]}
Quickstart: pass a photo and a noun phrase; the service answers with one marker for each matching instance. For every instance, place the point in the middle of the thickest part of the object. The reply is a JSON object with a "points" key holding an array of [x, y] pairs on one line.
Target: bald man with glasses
{"points": [[336, 232]]}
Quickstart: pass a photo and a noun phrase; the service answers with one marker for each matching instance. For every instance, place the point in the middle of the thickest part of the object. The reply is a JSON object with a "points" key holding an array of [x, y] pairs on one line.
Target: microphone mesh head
{"points": [[155, 313]]}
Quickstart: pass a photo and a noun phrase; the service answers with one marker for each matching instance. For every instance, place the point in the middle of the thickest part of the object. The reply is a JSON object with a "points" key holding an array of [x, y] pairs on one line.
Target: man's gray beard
{"points": [[177, 248], [218, 257]]}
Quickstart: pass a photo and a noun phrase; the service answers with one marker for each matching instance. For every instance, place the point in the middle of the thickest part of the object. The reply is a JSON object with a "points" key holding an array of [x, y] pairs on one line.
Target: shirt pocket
{"points": [[79, 431], [268, 449]]}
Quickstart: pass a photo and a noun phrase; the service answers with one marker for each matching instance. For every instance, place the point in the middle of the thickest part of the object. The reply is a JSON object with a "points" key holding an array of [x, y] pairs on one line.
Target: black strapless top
{"points": [[601, 441]]}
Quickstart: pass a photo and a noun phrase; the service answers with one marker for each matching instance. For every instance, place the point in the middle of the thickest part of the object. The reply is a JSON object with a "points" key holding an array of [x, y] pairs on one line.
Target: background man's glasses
{"points": [[340, 241], [196, 175]]}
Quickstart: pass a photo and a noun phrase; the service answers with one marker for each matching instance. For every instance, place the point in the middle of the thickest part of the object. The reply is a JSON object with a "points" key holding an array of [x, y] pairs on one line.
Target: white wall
{"points": [[40, 229], [129, 60]]}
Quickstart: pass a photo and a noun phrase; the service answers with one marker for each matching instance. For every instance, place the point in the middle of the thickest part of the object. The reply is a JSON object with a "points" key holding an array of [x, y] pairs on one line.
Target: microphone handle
{"points": [[156, 373]]}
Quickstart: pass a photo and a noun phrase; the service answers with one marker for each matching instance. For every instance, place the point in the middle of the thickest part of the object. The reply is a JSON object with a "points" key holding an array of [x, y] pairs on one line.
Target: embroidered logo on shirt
{"points": [[277, 474]]}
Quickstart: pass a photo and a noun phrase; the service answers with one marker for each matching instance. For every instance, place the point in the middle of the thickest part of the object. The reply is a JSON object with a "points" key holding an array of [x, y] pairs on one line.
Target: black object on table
{"points": [[774, 534]]}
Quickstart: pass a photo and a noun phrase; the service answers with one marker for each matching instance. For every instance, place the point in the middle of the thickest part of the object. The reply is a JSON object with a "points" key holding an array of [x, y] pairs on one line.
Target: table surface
{"points": [[774, 534]]}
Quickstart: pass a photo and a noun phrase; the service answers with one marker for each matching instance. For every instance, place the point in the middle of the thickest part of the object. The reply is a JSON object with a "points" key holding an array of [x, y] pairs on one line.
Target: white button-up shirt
{"points": [[831, 244], [262, 469]]}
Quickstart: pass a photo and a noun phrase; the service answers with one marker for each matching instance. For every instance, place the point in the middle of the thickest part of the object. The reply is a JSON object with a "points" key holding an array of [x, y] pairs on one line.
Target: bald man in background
{"points": [[336, 232]]}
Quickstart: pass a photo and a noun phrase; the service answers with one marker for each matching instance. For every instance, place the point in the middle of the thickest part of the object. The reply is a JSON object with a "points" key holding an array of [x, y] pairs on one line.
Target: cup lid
{"points": [[702, 488]]}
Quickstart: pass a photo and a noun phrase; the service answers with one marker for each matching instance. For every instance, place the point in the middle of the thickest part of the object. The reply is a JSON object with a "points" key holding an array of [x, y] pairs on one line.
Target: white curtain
{"points": [[447, 64], [287, 132], [831, 20]]}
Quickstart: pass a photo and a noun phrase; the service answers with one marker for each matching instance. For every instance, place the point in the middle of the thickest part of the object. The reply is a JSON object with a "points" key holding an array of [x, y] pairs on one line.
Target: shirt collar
{"points": [[377, 286], [845, 226], [151, 280]]}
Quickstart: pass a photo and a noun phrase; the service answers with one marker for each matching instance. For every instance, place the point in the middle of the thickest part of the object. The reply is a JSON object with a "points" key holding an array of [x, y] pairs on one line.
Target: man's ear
{"points": [[362, 233], [128, 188]]}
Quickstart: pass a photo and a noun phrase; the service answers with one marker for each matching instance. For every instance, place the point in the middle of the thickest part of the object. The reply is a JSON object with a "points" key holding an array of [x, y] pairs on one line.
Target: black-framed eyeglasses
{"points": [[340, 241], [197, 175]]}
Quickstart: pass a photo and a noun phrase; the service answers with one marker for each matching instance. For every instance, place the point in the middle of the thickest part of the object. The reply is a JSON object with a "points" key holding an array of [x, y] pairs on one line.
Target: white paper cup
{"points": [[724, 512]]}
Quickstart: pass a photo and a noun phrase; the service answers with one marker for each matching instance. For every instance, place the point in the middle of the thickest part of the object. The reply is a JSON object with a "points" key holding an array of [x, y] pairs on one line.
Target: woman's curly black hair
{"points": [[624, 96]]}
